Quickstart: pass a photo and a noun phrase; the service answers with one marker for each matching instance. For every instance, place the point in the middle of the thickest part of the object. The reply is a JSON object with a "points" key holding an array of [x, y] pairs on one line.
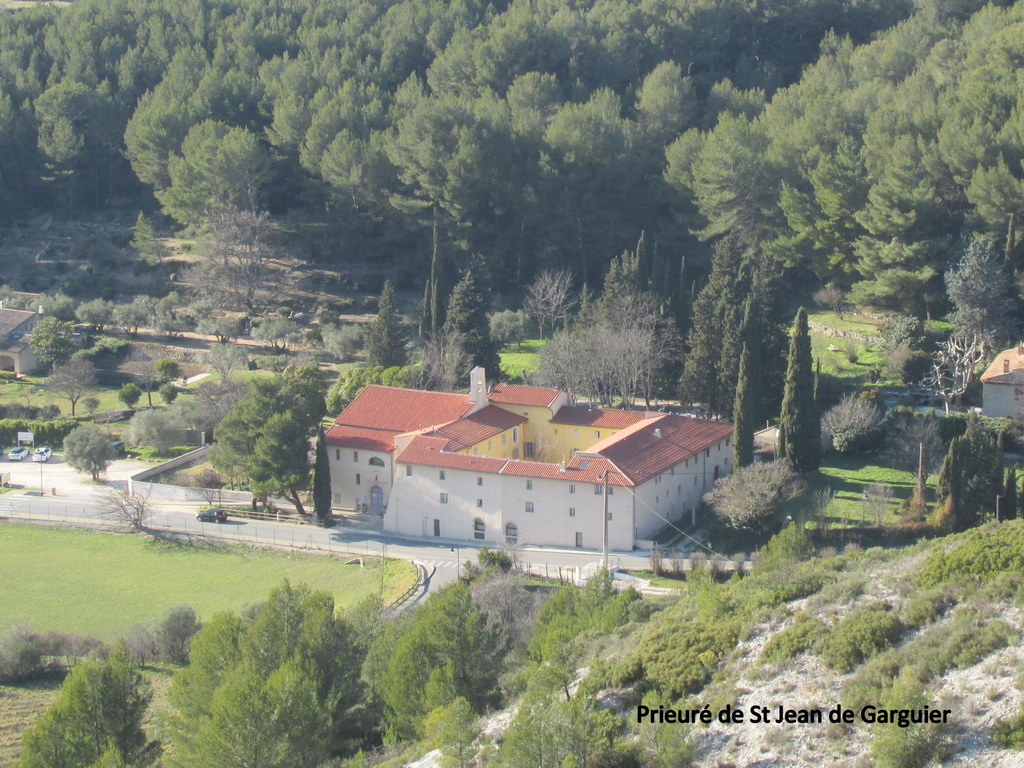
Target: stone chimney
{"points": [[478, 389]]}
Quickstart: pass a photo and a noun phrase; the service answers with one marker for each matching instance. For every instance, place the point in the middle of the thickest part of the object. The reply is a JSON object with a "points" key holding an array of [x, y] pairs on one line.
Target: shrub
{"points": [[979, 555], [678, 658], [8, 376], [913, 747], [926, 606], [789, 546], [21, 656], [175, 631], [859, 636], [129, 394], [1009, 734], [799, 637], [852, 425]]}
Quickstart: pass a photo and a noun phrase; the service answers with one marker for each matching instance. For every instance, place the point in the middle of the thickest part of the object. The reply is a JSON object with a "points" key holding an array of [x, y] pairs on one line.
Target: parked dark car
{"points": [[213, 515]]}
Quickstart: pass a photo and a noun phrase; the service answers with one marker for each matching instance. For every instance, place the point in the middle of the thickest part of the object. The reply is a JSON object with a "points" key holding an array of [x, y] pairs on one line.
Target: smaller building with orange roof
{"points": [[1002, 385]]}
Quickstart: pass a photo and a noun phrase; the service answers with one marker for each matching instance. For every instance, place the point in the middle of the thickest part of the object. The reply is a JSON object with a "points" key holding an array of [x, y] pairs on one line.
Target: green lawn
{"points": [[847, 476], [28, 390], [525, 357], [102, 584]]}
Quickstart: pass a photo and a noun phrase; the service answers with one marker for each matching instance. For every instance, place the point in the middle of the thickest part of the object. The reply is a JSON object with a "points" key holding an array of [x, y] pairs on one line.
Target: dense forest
{"points": [[531, 133]]}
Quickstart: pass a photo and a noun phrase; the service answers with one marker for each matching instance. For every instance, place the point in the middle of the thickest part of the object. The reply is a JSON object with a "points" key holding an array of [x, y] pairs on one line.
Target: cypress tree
{"points": [[322, 481], [467, 317], [385, 339], [800, 422], [1008, 504], [743, 417]]}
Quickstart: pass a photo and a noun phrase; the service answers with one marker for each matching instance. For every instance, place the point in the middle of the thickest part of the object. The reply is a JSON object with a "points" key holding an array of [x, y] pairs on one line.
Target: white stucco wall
{"points": [[1002, 400], [345, 464]]}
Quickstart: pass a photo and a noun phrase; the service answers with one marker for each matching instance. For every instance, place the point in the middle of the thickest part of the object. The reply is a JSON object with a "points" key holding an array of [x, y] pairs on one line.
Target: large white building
{"points": [[520, 464]]}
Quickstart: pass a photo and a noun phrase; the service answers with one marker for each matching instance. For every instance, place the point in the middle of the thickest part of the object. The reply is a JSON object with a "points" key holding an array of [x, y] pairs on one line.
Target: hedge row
{"points": [[45, 432]]}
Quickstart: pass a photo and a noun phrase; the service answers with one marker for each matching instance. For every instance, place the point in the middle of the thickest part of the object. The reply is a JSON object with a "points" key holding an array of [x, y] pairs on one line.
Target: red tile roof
{"points": [[360, 438], [517, 394], [1007, 368], [390, 411], [611, 418], [429, 450], [579, 470], [479, 426], [641, 453]]}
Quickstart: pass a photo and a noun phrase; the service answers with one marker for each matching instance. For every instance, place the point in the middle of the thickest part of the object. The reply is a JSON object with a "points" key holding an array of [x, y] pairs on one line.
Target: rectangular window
{"points": [[694, 479], [572, 489], [408, 470], [609, 515], [479, 481], [679, 490], [444, 498], [504, 439], [529, 506], [572, 511], [357, 478], [611, 490], [440, 475], [528, 450], [529, 485], [355, 455], [489, 445], [575, 432], [597, 490], [597, 434], [337, 454], [337, 498], [579, 539], [515, 434], [479, 502]]}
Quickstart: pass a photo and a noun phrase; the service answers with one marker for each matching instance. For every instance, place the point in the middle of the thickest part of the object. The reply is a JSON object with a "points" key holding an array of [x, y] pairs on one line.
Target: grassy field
{"points": [[525, 357], [867, 357], [847, 477], [100, 584]]}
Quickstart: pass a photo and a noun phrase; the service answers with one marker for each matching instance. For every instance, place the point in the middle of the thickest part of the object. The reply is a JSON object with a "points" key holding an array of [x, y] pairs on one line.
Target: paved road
{"points": [[443, 558]]}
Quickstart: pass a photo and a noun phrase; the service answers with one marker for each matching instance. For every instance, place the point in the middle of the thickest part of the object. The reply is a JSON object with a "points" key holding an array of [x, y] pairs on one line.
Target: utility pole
{"points": [[604, 540]]}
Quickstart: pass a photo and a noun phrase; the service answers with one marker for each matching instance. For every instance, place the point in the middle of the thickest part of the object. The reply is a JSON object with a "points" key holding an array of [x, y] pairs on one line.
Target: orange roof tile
{"points": [[485, 423], [359, 437], [429, 450], [640, 453], [1007, 368], [517, 394], [611, 418], [390, 411], [579, 470]]}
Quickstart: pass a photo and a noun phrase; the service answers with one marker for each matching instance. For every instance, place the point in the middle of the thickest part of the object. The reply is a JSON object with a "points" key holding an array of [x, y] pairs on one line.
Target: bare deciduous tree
{"points": [[914, 444], [877, 500], [132, 510], [831, 297], [752, 494], [548, 297], [72, 380], [207, 481], [953, 368], [847, 424], [239, 267], [445, 361], [614, 358]]}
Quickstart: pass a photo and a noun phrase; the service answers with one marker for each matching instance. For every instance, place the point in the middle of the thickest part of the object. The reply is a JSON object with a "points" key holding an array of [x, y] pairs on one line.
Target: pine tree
{"points": [[385, 338], [322, 482], [100, 708], [800, 421], [743, 427]]}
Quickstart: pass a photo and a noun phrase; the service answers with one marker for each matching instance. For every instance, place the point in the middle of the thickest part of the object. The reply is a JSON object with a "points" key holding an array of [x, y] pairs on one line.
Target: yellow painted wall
{"points": [[552, 442], [501, 446]]}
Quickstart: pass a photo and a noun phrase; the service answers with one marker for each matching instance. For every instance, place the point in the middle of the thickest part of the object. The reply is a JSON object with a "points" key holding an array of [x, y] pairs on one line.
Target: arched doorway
{"points": [[376, 497], [7, 363]]}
